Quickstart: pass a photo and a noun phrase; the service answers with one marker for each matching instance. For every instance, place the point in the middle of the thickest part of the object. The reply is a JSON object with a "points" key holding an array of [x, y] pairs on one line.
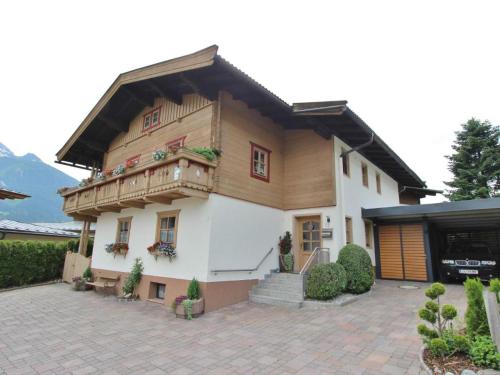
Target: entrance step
{"points": [[279, 289]]}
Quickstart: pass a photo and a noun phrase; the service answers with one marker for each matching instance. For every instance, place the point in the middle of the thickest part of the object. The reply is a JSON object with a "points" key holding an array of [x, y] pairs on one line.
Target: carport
{"points": [[409, 240]]}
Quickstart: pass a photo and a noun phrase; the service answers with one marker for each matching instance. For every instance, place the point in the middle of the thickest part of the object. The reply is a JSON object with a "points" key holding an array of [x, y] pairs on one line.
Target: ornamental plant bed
{"points": [[455, 363]]}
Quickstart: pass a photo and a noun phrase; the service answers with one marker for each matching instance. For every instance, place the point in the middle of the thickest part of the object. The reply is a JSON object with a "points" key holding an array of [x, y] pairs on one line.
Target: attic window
{"points": [[260, 162], [151, 119]]}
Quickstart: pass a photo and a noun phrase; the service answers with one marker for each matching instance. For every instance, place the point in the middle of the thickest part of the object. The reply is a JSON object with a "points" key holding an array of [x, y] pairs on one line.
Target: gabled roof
{"points": [[11, 226], [206, 73]]}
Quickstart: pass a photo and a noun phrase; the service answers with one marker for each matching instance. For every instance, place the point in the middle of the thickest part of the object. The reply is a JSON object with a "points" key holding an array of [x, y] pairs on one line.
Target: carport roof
{"points": [[470, 213]]}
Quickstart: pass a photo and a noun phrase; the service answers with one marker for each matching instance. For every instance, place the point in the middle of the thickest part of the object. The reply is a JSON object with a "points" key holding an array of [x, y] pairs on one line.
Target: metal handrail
{"points": [[249, 270], [314, 254]]}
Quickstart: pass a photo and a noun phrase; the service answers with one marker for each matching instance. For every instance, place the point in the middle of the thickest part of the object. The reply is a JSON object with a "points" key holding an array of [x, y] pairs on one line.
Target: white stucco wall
{"points": [[352, 195], [241, 233], [192, 240]]}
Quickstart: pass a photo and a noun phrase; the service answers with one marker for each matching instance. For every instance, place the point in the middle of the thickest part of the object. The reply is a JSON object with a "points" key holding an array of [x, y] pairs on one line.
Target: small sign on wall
{"points": [[327, 233]]}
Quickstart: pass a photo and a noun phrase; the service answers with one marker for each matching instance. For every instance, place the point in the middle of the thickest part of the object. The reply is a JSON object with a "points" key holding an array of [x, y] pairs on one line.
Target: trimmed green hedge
{"points": [[326, 281], [29, 262], [358, 265]]}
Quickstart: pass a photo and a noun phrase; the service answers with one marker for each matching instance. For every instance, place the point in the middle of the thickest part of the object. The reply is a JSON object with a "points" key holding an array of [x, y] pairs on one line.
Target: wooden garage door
{"points": [[391, 263], [414, 252], [402, 252]]}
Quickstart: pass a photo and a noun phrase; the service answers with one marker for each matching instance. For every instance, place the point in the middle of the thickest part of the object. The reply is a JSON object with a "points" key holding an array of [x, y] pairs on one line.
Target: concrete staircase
{"points": [[279, 289]]}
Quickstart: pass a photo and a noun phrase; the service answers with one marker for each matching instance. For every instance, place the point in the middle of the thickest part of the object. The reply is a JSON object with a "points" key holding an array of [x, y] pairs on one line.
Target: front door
{"points": [[309, 236]]}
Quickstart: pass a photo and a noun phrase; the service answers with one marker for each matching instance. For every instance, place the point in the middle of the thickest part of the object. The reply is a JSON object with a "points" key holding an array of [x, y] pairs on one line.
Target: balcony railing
{"points": [[180, 175]]}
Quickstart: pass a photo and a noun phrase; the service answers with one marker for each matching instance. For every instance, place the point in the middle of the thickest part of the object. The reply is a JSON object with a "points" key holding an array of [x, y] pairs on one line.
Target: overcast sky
{"points": [[414, 71]]}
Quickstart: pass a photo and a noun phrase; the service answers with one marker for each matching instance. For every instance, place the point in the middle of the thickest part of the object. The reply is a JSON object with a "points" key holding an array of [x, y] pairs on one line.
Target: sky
{"points": [[413, 70]]}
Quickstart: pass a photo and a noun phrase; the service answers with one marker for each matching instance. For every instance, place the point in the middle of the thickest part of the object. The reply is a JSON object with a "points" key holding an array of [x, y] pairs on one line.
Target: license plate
{"points": [[468, 272]]}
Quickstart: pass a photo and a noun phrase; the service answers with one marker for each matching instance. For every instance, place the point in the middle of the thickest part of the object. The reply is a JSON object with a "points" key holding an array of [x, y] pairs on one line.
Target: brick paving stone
{"points": [[54, 330]]}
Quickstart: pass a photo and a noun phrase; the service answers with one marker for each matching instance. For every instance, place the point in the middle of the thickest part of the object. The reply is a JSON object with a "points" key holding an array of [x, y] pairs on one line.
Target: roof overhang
{"points": [[7, 194], [477, 213], [206, 73]]}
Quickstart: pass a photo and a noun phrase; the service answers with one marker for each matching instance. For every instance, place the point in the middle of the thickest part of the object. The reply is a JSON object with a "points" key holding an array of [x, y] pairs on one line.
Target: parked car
{"points": [[464, 259]]}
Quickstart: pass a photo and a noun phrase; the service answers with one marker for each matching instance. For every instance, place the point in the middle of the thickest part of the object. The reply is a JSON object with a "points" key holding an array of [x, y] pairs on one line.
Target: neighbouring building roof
{"points": [[11, 226], [206, 73], [469, 213], [72, 226], [9, 194]]}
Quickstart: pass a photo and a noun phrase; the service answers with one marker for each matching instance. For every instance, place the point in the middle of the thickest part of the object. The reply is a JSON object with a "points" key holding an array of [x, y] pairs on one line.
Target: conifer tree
{"points": [[475, 163]]}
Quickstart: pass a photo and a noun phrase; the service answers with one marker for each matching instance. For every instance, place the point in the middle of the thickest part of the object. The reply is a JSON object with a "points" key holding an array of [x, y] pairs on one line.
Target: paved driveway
{"points": [[53, 330]]}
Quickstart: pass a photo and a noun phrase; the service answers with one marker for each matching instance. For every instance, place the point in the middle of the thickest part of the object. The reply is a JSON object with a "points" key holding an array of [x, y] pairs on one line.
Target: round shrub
{"points": [[358, 266], [326, 281]]}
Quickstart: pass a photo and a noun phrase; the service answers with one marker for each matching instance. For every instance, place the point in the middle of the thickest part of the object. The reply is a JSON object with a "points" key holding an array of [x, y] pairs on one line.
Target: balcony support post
{"points": [[84, 238]]}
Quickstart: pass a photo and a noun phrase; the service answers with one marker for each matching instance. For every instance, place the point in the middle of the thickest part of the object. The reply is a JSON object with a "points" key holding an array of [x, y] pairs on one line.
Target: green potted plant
{"points": [[286, 256], [192, 305], [87, 277]]}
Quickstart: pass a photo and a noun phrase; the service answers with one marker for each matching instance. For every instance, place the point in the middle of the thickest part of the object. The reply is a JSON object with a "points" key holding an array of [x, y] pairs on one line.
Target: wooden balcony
{"points": [[184, 174]]}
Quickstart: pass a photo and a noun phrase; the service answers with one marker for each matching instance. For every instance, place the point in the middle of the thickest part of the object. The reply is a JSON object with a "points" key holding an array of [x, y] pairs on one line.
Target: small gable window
{"points": [[345, 163], [151, 119], [364, 173], [260, 162], [379, 183]]}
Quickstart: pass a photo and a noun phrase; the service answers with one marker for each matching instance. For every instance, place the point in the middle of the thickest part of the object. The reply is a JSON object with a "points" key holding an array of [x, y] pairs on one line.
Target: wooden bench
{"points": [[105, 281]]}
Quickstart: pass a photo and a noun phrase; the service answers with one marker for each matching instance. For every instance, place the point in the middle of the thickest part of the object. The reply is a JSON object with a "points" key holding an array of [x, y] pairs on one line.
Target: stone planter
{"points": [[198, 309], [423, 367]]}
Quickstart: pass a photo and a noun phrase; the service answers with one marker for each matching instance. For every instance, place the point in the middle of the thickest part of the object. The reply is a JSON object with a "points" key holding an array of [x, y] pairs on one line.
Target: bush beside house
{"points": [[326, 281], [358, 265], [29, 262], [353, 273]]}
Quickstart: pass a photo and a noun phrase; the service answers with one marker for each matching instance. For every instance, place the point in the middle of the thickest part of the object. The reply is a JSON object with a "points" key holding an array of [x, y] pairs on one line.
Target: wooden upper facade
{"points": [[270, 153]]}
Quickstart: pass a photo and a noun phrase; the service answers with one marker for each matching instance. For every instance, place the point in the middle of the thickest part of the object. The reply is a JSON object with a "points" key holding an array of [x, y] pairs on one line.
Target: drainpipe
{"points": [[361, 146]]}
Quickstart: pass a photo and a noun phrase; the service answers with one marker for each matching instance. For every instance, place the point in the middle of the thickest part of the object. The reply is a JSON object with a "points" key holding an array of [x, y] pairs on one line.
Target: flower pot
{"points": [[198, 309]]}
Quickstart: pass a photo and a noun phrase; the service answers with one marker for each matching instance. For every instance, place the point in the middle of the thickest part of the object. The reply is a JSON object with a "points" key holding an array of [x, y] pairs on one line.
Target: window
{"points": [[364, 172], [260, 162], [348, 229], [123, 231], [176, 143], [379, 183], [158, 290], [167, 227], [368, 234], [345, 163], [151, 119]]}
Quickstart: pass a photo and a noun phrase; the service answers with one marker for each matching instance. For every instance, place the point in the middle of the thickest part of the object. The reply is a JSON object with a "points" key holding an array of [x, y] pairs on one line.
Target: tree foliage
{"points": [[475, 163]]}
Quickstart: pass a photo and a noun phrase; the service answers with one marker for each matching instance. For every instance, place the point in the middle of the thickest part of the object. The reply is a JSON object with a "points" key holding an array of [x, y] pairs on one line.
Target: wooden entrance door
{"points": [[309, 235]]}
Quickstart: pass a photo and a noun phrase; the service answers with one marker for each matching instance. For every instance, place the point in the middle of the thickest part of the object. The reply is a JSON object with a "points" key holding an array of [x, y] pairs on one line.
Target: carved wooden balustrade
{"points": [[180, 175]]}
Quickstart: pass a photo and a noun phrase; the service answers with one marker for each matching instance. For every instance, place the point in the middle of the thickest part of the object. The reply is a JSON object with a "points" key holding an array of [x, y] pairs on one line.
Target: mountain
{"points": [[28, 174]]}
